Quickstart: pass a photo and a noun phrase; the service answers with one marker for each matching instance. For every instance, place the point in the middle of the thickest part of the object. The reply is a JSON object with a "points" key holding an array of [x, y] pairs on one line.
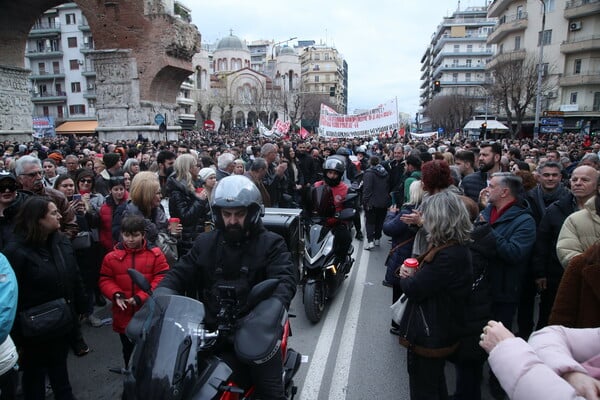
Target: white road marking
{"points": [[316, 368]]}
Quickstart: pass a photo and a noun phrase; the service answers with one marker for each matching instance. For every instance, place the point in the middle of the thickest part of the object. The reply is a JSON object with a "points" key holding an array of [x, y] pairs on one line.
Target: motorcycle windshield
{"points": [[163, 364]]}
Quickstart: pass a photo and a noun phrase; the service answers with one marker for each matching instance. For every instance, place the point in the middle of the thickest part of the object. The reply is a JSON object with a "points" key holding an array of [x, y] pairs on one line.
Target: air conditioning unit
{"points": [[551, 95], [575, 26]]}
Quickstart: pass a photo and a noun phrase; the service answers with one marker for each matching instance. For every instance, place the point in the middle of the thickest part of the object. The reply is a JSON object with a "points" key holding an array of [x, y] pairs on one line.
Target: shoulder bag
{"points": [[50, 319]]}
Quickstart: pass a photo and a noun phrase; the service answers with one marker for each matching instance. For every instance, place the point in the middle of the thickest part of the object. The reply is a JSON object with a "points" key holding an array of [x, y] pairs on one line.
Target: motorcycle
{"points": [[321, 277], [177, 357]]}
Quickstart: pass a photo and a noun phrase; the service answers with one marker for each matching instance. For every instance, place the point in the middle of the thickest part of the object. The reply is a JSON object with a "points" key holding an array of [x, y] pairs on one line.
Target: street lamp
{"points": [[538, 95], [278, 43]]}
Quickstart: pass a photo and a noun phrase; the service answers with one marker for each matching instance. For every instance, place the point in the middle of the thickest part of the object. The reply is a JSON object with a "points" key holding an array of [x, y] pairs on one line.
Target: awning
{"points": [[77, 128], [492, 124]]}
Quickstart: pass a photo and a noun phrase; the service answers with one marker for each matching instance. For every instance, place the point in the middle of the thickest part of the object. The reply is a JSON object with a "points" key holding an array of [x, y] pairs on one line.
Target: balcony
{"points": [[508, 24], [84, 26], [581, 44], [44, 29], [45, 53], [47, 75], [580, 80], [90, 93], [184, 100], [462, 39], [581, 8], [86, 48], [497, 7], [88, 71], [49, 97], [464, 54], [517, 55]]}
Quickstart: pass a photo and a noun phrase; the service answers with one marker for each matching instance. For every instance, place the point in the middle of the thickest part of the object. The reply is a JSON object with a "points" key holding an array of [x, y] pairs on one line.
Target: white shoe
{"points": [[376, 242], [369, 246], [95, 321]]}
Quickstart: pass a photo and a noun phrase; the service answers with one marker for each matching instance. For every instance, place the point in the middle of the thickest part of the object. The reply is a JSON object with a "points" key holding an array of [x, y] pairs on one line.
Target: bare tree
{"points": [[514, 88], [451, 112]]}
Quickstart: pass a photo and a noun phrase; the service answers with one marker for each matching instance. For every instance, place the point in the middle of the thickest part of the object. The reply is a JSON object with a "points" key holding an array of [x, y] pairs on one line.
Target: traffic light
{"points": [[437, 86], [332, 91], [482, 131]]}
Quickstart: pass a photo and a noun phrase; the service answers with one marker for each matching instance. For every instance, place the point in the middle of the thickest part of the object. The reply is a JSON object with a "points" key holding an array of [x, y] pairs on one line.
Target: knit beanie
{"points": [[111, 159], [205, 173]]}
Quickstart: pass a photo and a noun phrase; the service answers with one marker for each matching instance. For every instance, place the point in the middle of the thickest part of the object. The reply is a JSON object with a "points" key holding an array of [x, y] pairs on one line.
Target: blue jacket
{"points": [[515, 236], [473, 183], [8, 297]]}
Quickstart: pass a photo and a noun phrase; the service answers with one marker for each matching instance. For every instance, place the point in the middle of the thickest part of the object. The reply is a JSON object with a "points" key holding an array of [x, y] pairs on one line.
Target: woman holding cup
{"points": [[436, 290]]}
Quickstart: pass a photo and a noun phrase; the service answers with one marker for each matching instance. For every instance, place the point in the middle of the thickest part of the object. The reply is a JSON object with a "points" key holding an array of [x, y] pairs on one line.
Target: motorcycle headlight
{"points": [[328, 246]]}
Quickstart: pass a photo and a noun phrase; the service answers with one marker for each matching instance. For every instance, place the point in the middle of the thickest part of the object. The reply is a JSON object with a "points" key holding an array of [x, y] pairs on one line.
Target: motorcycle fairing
{"points": [[319, 244]]}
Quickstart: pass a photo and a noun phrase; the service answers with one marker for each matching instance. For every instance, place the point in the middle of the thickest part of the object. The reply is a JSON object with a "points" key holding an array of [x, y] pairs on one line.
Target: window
{"points": [[58, 90], [60, 111], [455, 77], [455, 62], [317, 78], [545, 67], [75, 87], [469, 62], [596, 106], [92, 103], [46, 111], [573, 98], [70, 19], [72, 42], [545, 37], [42, 68], [577, 66], [56, 67], [551, 6], [317, 56], [77, 109], [517, 42], [468, 77], [456, 48], [42, 90], [74, 64], [519, 12], [469, 48]]}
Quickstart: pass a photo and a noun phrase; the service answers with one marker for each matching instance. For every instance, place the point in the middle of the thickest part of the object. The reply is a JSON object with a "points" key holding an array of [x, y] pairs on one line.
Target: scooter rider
{"points": [[239, 253], [333, 169]]}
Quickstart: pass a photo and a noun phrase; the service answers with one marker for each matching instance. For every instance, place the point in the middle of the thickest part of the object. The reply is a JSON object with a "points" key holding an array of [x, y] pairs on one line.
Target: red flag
{"points": [[303, 133]]}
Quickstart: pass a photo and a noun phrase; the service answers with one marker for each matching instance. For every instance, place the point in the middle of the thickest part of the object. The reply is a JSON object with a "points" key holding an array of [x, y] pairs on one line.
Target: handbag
{"points": [[53, 318], [398, 308], [168, 245], [83, 240]]}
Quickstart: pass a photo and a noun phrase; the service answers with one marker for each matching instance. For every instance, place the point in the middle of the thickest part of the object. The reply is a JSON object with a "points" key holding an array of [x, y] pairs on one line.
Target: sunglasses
{"points": [[11, 187], [85, 180]]}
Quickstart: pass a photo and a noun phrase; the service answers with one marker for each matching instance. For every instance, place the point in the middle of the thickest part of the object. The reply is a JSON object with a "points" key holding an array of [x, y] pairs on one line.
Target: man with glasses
{"points": [[29, 174]]}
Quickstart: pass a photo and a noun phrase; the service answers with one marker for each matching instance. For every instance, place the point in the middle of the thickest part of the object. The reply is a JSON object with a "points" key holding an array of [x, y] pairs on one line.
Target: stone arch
{"points": [[240, 119], [263, 116], [141, 39]]}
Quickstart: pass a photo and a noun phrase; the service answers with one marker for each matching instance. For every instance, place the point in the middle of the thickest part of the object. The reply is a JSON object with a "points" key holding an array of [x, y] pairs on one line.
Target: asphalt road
{"points": [[348, 355]]}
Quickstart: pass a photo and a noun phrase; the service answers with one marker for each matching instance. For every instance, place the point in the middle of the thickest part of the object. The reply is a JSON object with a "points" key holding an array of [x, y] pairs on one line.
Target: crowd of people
{"points": [[494, 224]]}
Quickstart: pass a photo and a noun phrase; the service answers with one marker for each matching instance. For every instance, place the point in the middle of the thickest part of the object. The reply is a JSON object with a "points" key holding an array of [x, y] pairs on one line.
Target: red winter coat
{"points": [[114, 278], [106, 221]]}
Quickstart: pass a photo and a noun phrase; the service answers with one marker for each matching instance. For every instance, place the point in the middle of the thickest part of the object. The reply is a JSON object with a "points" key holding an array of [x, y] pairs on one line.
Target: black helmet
{"points": [[333, 163], [237, 191], [343, 151]]}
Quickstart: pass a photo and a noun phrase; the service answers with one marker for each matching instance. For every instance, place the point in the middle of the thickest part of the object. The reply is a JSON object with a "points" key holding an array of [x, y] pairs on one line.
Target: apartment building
{"points": [[62, 76], [455, 61]]}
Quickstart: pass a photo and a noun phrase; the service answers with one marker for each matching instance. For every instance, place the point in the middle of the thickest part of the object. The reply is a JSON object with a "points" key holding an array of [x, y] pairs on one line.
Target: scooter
{"points": [[177, 357], [321, 276]]}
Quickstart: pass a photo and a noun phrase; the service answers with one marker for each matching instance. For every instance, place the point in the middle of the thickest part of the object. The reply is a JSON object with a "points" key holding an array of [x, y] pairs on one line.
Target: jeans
{"points": [[374, 218]]}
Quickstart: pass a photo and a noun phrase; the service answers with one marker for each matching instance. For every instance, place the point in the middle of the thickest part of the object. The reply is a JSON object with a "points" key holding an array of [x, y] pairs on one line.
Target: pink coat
{"points": [[532, 370]]}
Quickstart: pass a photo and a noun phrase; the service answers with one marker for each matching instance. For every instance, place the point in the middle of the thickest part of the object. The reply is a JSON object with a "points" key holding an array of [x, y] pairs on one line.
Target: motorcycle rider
{"points": [[240, 253], [333, 170]]}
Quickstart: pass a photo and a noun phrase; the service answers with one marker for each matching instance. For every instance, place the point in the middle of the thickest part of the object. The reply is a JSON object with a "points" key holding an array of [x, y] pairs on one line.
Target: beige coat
{"points": [[578, 233]]}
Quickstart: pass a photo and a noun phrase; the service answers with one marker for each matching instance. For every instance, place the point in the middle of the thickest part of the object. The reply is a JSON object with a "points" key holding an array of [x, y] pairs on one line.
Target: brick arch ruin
{"points": [[142, 54]]}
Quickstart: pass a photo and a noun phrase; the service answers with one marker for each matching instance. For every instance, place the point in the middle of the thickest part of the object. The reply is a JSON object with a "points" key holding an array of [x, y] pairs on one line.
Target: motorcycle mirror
{"points": [[260, 292], [346, 214], [139, 279]]}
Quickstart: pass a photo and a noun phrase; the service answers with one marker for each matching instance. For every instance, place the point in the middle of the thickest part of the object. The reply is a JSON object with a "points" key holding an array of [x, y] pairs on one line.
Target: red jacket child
{"points": [[116, 284]]}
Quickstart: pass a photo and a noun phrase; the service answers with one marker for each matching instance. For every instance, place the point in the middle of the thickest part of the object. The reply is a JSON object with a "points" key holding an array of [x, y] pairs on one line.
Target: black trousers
{"points": [[8, 384], [127, 346], [374, 218], [426, 377]]}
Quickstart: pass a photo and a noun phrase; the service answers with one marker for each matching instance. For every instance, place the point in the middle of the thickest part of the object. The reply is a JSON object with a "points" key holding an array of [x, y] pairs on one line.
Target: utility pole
{"points": [[538, 95]]}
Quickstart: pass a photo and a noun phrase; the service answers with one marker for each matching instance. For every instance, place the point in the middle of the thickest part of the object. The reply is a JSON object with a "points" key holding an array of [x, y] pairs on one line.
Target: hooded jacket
{"points": [[375, 187], [579, 231]]}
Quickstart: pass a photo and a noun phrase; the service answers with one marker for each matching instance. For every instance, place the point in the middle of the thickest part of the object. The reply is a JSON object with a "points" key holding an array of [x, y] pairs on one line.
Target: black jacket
{"points": [[436, 295], [8, 218], [545, 262], [192, 211], [473, 183], [45, 273], [212, 260], [375, 187]]}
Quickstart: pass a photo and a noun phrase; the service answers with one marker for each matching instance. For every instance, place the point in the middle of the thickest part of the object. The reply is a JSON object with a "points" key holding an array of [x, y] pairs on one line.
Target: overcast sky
{"points": [[382, 41]]}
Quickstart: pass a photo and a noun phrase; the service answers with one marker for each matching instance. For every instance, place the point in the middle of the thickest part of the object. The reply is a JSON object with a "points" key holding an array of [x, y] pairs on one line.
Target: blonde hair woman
{"points": [[144, 200], [185, 201]]}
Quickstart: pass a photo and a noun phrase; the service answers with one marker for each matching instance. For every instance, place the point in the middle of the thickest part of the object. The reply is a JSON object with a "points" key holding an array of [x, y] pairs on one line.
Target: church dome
{"points": [[287, 50], [231, 42]]}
